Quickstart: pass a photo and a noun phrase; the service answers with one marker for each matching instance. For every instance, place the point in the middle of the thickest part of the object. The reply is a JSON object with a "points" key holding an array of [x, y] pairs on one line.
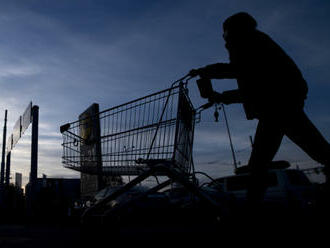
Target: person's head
{"points": [[240, 23]]}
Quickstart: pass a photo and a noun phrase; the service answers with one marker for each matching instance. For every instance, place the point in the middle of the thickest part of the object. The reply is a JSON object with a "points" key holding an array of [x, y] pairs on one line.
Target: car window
{"points": [[242, 182], [297, 178]]}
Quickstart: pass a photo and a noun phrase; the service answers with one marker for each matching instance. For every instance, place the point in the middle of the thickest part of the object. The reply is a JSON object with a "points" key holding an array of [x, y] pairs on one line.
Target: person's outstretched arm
{"points": [[227, 97], [216, 71]]}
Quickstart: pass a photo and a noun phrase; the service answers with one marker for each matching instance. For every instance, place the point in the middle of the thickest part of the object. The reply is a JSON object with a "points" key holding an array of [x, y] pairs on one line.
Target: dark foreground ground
{"points": [[39, 235], [262, 229], [178, 227]]}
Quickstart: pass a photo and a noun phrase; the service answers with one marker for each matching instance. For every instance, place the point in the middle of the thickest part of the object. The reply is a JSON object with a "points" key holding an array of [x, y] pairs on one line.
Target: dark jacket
{"points": [[268, 80]]}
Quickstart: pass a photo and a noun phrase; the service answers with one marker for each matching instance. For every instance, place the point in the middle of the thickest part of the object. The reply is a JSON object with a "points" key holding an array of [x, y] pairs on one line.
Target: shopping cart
{"points": [[147, 137], [129, 138]]}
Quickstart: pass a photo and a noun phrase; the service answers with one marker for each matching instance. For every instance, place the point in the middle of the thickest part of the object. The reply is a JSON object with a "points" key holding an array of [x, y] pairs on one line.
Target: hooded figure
{"points": [[271, 89], [268, 80]]}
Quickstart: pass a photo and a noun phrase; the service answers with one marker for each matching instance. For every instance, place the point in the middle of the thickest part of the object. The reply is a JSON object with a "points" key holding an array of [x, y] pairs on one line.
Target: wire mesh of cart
{"points": [[126, 139]]}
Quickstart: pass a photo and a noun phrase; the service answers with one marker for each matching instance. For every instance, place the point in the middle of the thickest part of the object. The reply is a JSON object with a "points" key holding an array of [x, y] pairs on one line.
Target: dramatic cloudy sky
{"points": [[66, 54]]}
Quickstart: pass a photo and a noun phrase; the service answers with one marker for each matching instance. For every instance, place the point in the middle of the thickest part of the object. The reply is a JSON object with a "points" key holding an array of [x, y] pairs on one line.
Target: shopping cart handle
{"points": [[207, 105], [64, 127]]}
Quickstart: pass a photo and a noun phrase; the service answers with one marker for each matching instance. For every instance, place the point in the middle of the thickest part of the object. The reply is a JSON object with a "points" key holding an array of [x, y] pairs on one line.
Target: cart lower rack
{"points": [[124, 140]]}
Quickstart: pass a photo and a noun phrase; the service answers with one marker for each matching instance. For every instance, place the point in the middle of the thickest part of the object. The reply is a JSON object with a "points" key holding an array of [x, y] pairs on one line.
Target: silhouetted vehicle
{"points": [[122, 198], [181, 198], [177, 202], [287, 188]]}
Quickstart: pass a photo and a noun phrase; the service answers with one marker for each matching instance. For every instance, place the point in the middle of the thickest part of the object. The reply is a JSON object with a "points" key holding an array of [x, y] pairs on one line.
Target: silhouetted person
{"points": [[272, 90]]}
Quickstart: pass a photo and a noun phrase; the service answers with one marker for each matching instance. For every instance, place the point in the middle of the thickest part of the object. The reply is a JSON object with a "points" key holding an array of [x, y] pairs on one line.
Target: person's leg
{"points": [[266, 143], [303, 132]]}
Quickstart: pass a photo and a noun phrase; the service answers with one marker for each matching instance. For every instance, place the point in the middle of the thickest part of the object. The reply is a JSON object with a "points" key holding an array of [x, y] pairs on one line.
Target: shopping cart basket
{"points": [[127, 139]]}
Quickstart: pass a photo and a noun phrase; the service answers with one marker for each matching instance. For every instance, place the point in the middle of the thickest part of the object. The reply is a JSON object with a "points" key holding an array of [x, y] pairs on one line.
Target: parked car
{"points": [[285, 187]]}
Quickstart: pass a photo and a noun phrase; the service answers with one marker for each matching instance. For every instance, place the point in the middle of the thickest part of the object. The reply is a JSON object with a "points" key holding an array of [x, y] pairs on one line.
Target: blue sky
{"points": [[66, 55]]}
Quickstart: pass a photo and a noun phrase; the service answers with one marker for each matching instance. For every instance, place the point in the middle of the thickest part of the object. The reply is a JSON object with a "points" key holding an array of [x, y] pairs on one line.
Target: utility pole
{"points": [[2, 173], [34, 146], [7, 179], [31, 196]]}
